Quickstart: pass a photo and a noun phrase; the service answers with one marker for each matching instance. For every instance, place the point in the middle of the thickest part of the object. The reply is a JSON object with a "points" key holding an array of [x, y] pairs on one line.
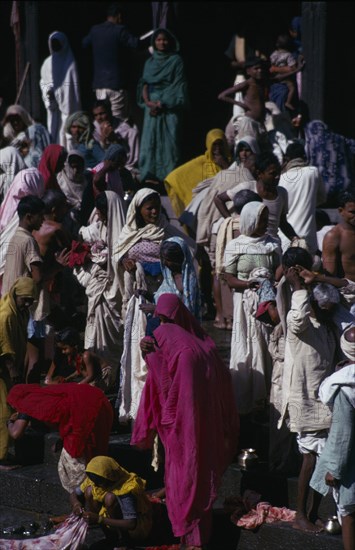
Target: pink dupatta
{"points": [[188, 400]]}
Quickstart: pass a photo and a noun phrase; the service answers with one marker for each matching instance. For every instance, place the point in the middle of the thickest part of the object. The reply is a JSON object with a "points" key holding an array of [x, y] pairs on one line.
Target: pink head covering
{"points": [[174, 309], [48, 165], [26, 182]]}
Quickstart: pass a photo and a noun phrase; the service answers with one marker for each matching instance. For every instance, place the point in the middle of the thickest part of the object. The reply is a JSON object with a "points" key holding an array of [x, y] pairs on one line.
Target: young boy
{"points": [[23, 258], [283, 61], [267, 170], [253, 92], [309, 355], [336, 466]]}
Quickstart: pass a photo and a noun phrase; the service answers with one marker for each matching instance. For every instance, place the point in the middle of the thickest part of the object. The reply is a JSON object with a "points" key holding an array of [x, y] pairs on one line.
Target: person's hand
{"points": [[129, 265], [147, 308], [91, 518], [140, 292], [62, 257], [107, 131], [307, 276], [78, 510], [293, 277], [330, 480], [147, 345], [253, 285]]}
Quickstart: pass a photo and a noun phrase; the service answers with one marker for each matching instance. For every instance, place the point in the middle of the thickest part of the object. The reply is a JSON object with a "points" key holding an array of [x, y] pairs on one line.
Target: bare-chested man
{"points": [[339, 243]]}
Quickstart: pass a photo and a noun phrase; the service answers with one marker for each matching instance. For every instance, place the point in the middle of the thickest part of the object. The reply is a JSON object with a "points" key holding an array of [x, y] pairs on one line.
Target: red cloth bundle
{"points": [[78, 254]]}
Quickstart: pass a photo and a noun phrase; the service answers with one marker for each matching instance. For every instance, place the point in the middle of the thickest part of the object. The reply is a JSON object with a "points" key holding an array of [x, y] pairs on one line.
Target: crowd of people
{"points": [[113, 252]]}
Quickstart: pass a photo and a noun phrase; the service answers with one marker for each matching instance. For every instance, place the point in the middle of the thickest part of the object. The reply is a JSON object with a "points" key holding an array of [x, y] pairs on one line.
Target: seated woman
{"points": [[114, 499], [102, 279], [28, 136], [181, 181], [139, 243], [71, 364], [80, 129], [81, 413]]}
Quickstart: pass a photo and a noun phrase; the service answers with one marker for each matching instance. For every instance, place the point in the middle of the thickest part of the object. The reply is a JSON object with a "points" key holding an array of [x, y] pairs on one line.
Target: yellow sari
{"points": [[123, 483], [181, 181]]}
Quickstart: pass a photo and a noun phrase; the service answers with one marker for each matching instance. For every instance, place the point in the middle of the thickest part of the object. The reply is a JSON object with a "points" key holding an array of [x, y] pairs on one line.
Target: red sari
{"points": [[188, 400], [82, 414]]}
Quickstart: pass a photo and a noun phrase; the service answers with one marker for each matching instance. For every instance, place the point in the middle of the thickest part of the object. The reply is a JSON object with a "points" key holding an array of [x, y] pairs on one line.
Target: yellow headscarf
{"points": [[181, 181], [123, 483], [13, 322]]}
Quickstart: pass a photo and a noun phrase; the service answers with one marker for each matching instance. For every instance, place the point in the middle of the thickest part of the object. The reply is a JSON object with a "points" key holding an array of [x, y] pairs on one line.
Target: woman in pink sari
{"points": [[188, 401]]}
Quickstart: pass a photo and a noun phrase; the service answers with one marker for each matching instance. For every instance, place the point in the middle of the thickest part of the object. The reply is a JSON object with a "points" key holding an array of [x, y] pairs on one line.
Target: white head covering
{"points": [[131, 233], [72, 188], [26, 118], [245, 244], [343, 379], [250, 217], [11, 163], [59, 75]]}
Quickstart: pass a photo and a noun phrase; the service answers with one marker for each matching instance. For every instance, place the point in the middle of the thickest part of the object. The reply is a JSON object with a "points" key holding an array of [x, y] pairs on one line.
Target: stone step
{"points": [[281, 535]]}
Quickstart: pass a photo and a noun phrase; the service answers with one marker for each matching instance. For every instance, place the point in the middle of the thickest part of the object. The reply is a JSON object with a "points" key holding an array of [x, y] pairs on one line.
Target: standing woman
{"points": [[162, 93], [60, 86], [250, 362]]}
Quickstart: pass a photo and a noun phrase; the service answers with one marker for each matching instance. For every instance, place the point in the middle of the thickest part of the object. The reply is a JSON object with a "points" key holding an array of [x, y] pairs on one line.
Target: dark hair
{"points": [[52, 198], [264, 160], [295, 255], [114, 9], [284, 42], [295, 150], [105, 103], [68, 336], [322, 219], [30, 205], [243, 197], [172, 251], [101, 203], [153, 195], [345, 197], [253, 61]]}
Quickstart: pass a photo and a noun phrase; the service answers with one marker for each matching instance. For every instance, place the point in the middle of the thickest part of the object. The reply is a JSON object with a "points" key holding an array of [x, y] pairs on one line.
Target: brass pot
{"points": [[333, 526], [248, 459]]}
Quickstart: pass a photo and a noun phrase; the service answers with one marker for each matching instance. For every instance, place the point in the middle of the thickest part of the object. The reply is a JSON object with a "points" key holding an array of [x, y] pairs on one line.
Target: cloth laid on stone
{"points": [[70, 535], [264, 513]]}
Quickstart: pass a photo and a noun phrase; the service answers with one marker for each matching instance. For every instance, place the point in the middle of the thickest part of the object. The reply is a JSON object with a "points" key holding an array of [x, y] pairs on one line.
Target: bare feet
{"points": [[289, 106], [303, 524], [219, 323]]}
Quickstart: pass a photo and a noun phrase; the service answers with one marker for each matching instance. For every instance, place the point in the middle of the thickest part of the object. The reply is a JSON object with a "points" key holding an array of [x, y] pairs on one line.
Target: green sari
{"points": [[161, 136]]}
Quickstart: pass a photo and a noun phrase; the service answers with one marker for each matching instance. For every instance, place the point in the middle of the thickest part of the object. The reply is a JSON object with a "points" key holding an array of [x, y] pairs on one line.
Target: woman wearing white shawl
{"points": [[29, 137], [136, 232], [11, 163], [250, 361], [336, 465], [139, 244], [101, 280], [60, 86]]}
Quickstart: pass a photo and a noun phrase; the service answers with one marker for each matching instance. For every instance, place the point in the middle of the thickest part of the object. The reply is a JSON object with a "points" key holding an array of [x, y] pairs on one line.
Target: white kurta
{"points": [[309, 359]]}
